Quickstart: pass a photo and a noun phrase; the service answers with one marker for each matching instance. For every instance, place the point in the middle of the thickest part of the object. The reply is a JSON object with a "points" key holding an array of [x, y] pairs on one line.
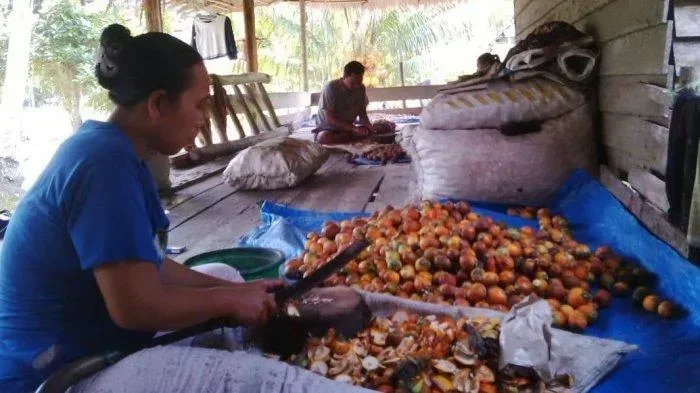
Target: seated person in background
{"points": [[485, 61], [342, 101], [486, 66]]}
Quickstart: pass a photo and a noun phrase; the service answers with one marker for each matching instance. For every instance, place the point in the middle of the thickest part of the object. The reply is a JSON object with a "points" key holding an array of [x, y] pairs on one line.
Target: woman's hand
{"points": [[253, 302], [362, 132], [137, 299]]}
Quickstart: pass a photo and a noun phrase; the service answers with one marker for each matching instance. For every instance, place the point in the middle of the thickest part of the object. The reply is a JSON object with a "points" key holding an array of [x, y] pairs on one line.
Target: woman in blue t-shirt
{"points": [[80, 271]]}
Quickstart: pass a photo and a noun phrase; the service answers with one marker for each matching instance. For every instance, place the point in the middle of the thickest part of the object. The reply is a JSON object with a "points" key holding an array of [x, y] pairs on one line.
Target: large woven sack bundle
{"points": [[498, 103], [485, 165], [274, 164]]}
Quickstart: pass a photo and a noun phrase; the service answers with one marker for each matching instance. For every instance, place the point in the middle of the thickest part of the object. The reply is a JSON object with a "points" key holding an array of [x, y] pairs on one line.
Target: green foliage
{"points": [[65, 41], [380, 39], [4, 16]]}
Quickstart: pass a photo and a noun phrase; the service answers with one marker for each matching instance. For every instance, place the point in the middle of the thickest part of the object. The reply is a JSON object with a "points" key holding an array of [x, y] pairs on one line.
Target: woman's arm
{"points": [[174, 273], [137, 299]]}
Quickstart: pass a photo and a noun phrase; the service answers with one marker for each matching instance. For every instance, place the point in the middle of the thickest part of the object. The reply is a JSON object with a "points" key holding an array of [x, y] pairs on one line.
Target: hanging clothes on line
{"points": [[212, 36]]}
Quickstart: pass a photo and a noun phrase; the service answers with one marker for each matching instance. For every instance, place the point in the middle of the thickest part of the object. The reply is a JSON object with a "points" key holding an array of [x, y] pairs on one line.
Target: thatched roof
{"points": [[237, 5]]}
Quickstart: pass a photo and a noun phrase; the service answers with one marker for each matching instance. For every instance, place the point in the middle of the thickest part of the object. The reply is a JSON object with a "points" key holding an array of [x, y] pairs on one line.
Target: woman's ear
{"points": [[157, 105]]}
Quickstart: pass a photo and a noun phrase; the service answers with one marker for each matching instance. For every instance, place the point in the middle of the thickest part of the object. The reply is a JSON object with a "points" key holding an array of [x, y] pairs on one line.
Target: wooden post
{"points": [[304, 51], [251, 43], [403, 81], [154, 15], [157, 163]]}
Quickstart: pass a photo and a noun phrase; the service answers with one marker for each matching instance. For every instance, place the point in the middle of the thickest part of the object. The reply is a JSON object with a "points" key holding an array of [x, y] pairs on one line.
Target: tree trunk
{"points": [[20, 24], [75, 119]]}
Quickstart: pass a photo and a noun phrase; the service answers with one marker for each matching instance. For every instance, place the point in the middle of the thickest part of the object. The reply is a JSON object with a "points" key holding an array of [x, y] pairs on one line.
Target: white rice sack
{"points": [[275, 163], [500, 103], [486, 166]]}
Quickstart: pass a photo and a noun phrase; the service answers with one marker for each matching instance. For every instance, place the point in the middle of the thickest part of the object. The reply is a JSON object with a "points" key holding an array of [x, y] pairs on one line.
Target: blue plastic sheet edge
{"points": [[669, 350], [365, 161]]}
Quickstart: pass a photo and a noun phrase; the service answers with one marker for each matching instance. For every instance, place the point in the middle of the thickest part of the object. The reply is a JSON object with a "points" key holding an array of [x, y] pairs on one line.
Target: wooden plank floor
{"points": [[209, 215]]}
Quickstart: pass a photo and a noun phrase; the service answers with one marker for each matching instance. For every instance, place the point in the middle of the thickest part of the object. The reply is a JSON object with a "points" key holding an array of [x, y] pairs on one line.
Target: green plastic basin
{"points": [[252, 263]]}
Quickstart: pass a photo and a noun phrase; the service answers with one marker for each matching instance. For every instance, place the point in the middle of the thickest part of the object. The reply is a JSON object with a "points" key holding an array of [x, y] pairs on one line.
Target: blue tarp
{"points": [[366, 161], [668, 359]]}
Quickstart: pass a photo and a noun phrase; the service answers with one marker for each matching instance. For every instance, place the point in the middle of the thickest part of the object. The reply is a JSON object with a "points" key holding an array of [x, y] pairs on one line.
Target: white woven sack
{"points": [[487, 166], [500, 103], [274, 164]]}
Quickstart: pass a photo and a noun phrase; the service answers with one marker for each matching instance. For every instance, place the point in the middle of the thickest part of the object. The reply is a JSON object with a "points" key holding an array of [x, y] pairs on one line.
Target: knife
{"points": [[317, 278], [85, 367]]}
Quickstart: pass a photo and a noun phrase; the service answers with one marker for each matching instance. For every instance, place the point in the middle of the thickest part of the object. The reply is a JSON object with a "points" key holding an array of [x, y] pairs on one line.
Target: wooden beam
{"points": [[304, 51], [687, 53], [234, 117], [651, 187], [268, 104], [643, 52], [622, 17], [154, 15], [641, 139], [237, 79], [652, 218], [642, 99], [256, 105], [687, 18], [246, 110], [251, 42]]}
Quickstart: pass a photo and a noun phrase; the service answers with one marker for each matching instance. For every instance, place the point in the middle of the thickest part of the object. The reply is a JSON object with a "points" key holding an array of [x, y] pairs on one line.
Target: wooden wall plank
{"points": [[650, 187], [519, 5], [642, 99], [622, 17], [687, 53], [624, 162], [654, 219], [661, 80], [533, 13], [645, 142], [643, 52], [569, 11], [687, 18]]}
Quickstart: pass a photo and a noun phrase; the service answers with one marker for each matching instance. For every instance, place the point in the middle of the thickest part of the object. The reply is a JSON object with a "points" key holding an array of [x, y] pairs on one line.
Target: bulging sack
{"points": [[275, 163], [498, 103], [486, 166]]}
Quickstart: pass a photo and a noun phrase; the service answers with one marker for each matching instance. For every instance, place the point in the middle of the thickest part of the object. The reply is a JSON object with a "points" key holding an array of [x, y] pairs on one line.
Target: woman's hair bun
{"points": [[115, 38]]}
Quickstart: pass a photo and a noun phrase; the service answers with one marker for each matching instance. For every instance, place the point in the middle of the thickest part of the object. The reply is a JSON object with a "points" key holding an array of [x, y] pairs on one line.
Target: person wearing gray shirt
{"points": [[342, 102]]}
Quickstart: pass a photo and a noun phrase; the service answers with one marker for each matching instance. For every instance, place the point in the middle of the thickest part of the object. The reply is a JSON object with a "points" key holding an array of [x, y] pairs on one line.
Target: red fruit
{"points": [[505, 263], [556, 292], [461, 302], [446, 290], [477, 293], [410, 226], [490, 278], [468, 262], [602, 297], [523, 285], [665, 309], [461, 293], [507, 277], [330, 230], [620, 289]]}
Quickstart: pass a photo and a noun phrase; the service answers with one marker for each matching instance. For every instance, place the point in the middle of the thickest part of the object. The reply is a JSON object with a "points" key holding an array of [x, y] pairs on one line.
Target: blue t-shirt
{"points": [[95, 203]]}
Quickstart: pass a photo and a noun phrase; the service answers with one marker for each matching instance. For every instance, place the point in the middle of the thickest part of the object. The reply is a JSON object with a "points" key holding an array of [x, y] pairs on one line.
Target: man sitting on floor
{"points": [[342, 101]]}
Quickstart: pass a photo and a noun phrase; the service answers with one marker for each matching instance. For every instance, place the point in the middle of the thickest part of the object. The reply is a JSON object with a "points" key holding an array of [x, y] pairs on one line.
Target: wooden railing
{"points": [[257, 115]]}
